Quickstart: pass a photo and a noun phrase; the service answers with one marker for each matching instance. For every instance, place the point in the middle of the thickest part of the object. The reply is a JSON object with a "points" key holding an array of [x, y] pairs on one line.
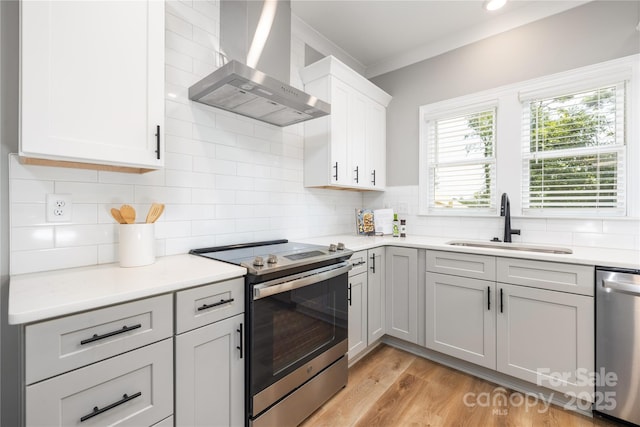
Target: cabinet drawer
{"points": [[359, 262], [132, 389], [577, 279], [60, 345], [207, 304], [460, 264]]}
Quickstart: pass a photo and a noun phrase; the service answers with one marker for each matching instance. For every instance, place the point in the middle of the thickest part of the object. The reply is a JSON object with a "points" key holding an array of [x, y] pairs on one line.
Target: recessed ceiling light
{"points": [[494, 4]]}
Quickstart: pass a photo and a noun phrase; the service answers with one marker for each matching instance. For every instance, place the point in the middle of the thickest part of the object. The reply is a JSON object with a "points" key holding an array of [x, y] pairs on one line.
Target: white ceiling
{"points": [[384, 35]]}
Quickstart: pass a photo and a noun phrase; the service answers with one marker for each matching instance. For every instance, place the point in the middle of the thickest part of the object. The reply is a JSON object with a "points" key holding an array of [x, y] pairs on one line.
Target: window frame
{"points": [[508, 138]]}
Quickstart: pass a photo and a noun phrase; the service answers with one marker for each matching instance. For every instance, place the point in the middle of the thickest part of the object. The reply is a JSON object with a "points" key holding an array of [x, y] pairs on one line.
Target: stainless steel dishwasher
{"points": [[618, 343]]}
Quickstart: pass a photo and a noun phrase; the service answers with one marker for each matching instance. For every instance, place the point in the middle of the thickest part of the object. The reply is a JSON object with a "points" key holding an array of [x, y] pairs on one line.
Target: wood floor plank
{"points": [[390, 387], [368, 380]]}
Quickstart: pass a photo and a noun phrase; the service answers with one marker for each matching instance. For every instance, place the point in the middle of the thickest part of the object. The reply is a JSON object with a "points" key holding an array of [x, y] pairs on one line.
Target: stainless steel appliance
{"points": [[297, 326], [618, 343]]}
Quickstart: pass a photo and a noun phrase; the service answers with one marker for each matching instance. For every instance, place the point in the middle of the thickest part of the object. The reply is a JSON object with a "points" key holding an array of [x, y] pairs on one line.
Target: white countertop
{"points": [[39, 296], [581, 255]]}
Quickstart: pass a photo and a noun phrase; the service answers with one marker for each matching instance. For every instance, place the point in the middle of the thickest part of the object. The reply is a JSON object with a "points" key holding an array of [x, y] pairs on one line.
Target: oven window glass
{"points": [[293, 327]]}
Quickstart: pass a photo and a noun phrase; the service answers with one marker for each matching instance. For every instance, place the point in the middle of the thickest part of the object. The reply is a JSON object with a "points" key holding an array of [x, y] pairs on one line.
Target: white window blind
{"points": [[461, 164], [574, 153]]}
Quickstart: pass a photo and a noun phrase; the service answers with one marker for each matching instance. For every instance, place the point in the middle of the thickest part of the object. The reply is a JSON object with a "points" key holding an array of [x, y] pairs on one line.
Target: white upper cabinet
{"points": [[92, 82], [346, 149]]}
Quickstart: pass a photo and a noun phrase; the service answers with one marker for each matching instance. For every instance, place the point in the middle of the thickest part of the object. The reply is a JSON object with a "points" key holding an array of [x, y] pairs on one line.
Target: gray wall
{"points": [[9, 344], [596, 32]]}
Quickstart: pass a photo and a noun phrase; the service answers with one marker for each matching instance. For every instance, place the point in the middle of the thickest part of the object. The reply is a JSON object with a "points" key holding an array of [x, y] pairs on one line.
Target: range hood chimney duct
{"points": [[260, 90]]}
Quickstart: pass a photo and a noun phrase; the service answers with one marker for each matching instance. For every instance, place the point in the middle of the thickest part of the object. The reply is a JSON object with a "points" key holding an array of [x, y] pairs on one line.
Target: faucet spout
{"points": [[505, 211]]}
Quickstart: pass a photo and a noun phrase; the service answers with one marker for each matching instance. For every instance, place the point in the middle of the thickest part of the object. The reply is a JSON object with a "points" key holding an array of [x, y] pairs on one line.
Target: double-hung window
{"points": [[573, 152], [461, 162]]}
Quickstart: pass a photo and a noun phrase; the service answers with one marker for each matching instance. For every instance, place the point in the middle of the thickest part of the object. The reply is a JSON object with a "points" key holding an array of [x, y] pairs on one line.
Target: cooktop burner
{"points": [[261, 258]]}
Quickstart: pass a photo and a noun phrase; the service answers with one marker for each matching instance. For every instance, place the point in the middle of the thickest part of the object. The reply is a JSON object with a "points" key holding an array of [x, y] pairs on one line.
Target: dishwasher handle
{"points": [[619, 286]]}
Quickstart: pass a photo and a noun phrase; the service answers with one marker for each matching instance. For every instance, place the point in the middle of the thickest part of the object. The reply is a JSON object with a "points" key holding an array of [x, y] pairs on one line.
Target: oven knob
{"points": [[332, 248], [340, 246], [258, 261], [272, 259]]}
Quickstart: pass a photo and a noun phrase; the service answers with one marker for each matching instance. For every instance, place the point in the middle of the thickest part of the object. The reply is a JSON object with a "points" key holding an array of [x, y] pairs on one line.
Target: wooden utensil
{"points": [[128, 214], [115, 213], [154, 212]]}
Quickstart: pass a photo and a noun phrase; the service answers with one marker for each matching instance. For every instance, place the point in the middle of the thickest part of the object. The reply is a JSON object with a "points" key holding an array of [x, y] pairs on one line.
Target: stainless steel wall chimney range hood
{"points": [[241, 89]]}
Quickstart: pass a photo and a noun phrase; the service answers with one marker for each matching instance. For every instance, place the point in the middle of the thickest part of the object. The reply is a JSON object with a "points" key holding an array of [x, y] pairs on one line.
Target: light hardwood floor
{"points": [[390, 387]]}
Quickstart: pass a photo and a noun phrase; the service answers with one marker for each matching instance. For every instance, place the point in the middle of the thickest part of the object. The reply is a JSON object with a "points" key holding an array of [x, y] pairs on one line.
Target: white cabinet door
{"points": [[402, 293], [358, 104], [545, 337], [92, 82], [357, 314], [339, 132], [460, 318], [376, 143], [210, 375], [376, 295]]}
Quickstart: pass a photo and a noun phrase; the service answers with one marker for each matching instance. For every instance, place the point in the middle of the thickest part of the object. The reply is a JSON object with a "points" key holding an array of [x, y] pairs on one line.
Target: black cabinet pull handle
{"points": [[373, 181], [349, 299], [489, 298], [215, 304], [501, 301], [357, 174], [336, 168], [98, 411], [239, 347], [158, 142], [355, 264], [373, 263], [97, 337]]}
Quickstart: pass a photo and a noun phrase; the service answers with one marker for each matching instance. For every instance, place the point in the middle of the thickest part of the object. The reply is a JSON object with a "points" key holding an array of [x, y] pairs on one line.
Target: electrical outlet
{"points": [[59, 207]]}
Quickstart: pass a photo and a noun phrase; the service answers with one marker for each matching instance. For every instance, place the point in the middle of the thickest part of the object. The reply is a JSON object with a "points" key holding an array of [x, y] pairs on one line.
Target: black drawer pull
{"points": [[489, 298], [336, 168], [239, 347], [98, 411], [158, 142], [373, 263], [373, 181], [357, 174], [349, 299], [355, 264], [501, 301], [215, 304], [97, 337]]}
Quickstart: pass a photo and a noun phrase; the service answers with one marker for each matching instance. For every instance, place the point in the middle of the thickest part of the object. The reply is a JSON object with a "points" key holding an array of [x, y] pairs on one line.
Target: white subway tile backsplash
{"points": [[215, 166], [29, 190], [178, 25], [27, 214], [168, 229], [179, 76], [212, 227], [228, 182], [600, 240], [52, 259], [166, 195], [31, 238], [96, 192], [621, 227], [178, 161], [232, 123], [205, 130], [575, 225], [83, 235], [210, 196], [177, 127], [156, 177]]}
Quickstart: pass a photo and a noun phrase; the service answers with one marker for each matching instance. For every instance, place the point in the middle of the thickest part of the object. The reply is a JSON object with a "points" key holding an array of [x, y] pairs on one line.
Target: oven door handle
{"points": [[265, 290]]}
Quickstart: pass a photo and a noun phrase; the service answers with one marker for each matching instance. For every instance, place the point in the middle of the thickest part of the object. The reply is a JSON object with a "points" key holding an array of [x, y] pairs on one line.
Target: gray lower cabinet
{"points": [[132, 389], [539, 327], [461, 318], [402, 293], [376, 294], [357, 314], [546, 337], [209, 368]]}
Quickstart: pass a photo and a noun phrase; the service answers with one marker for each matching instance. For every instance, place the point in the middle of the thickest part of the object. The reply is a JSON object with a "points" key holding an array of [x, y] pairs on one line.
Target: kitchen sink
{"points": [[510, 246]]}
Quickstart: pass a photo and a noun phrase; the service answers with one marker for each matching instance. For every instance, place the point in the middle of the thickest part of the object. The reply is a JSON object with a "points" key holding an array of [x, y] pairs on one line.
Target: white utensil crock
{"points": [[137, 245]]}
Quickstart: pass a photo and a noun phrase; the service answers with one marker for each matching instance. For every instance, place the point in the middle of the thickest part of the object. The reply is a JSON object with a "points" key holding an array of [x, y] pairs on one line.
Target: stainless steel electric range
{"points": [[296, 326]]}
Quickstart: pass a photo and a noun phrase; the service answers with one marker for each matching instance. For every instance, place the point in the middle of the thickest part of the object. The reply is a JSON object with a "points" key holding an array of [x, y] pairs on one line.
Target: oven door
{"points": [[298, 326]]}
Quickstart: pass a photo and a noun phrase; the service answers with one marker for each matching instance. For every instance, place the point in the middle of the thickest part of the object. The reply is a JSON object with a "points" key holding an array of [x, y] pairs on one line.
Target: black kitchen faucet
{"points": [[505, 211]]}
